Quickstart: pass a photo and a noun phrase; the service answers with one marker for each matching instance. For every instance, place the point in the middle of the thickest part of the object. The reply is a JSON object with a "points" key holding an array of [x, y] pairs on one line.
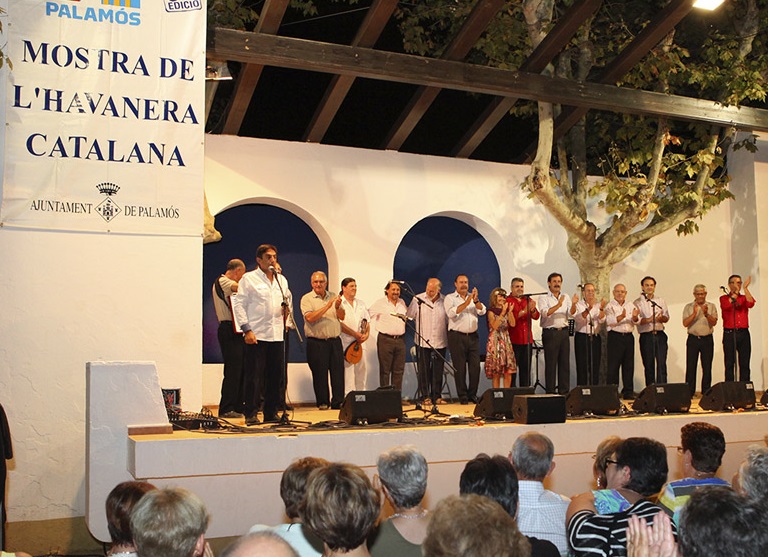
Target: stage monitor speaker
{"points": [[764, 398], [594, 399], [663, 398], [497, 403], [539, 409], [729, 395], [371, 407]]}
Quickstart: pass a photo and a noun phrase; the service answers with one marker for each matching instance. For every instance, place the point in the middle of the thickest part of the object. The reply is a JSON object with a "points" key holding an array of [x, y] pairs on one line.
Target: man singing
{"points": [[735, 307], [260, 313], [653, 339]]}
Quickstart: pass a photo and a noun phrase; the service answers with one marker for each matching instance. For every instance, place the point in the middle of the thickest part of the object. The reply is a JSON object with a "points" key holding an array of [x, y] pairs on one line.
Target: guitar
{"points": [[354, 352]]}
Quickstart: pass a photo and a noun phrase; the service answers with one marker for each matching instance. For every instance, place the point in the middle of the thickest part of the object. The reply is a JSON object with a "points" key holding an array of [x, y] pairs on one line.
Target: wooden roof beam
{"points": [[369, 32], [477, 21], [269, 22]]}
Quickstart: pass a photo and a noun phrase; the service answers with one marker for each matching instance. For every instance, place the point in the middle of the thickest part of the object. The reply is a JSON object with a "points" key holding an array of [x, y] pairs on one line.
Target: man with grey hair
{"points": [[541, 512], [699, 317], [428, 313], [260, 544], [169, 522], [752, 477]]}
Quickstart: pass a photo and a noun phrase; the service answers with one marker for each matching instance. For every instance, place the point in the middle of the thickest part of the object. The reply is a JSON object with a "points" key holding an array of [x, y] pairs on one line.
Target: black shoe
{"points": [[335, 406], [628, 396], [253, 420], [322, 407], [274, 418], [232, 415], [463, 401], [288, 407], [473, 399]]}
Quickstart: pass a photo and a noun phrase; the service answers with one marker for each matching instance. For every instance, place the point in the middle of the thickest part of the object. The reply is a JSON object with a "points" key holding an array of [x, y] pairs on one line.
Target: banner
{"points": [[105, 115]]}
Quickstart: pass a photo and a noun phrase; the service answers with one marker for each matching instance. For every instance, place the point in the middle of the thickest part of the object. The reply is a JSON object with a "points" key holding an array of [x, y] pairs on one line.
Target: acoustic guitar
{"points": [[354, 352]]}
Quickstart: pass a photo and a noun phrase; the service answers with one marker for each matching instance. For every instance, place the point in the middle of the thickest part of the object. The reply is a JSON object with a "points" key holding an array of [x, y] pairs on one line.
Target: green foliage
{"points": [[232, 14]]}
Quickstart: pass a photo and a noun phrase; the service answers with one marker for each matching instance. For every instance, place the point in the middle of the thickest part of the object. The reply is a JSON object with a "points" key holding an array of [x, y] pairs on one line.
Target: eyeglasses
{"points": [[680, 450], [611, 461]]}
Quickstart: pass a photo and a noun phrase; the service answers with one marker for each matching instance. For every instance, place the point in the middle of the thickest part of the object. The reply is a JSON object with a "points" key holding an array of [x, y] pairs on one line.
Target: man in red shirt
{"points": [[524, 310], [735, 309]]}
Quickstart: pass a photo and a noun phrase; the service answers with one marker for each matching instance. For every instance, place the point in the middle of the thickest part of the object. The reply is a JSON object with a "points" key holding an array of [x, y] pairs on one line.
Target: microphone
{"points": [[393, 281], [402, 316], [644, 295], [724, 289], [272, 268], [580, 286]]}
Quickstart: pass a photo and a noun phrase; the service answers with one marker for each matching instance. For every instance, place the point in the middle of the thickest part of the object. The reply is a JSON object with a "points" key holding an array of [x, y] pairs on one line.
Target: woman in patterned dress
{"points": [[499, 356]]}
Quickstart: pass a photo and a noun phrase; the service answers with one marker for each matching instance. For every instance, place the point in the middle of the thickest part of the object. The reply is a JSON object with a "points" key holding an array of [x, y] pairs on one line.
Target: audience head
{"points": [[169, 522], [532, 455], [604, 452], [493, 477], [403, 473], [646, 461], [753, 474], [341, 506], [120, 502], [718, 522], [265, 543], [473, 526], [293, 484], [706, 444]]}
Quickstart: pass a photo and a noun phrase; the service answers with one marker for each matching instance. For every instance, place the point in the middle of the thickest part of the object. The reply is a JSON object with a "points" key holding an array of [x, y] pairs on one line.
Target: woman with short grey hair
{"points": [[402, 475]]}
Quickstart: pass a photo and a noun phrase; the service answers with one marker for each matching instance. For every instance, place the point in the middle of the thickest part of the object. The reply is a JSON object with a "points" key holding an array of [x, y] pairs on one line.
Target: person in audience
{"points": [[752, 477], [473, 526], [640, 469], [651, 540], [541, 512], [500, 364], [340, 508], [119, 505], [718, 522], [495, 477], [605, 450], [169, 522], [702, 449], [293, 487], [403, 476], [260, 544]]}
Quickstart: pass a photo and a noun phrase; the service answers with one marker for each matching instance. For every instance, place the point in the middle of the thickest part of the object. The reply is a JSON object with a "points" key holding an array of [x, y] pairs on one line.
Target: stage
{"points": [[237, 471]]}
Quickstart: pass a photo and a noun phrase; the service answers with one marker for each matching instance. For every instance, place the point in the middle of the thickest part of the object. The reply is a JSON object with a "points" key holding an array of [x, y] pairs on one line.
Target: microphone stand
{"points": [[420, 373], [654, 306], [530, 343], [288, 319], [735, 358]]}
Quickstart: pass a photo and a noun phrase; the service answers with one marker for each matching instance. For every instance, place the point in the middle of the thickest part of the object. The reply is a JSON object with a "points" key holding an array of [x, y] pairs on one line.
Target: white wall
{"points": [[69, 298]]}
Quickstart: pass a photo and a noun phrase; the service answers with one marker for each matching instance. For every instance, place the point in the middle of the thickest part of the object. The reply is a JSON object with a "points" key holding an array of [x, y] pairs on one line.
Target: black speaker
{"points": [[595, 399], [497, 403], [539, 409], [371, 407], [729, 395], [764, 399], [663, 398]]}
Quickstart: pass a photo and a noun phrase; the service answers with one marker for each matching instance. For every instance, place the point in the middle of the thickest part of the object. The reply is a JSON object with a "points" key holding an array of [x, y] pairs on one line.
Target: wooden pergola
{"points": [[348, 62]]}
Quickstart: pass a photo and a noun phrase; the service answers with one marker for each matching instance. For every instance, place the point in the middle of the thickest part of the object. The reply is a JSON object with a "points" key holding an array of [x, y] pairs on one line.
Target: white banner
{"points": [[105, 115]]}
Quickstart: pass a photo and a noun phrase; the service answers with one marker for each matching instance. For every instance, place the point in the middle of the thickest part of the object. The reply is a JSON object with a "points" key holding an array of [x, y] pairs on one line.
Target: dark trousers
{"points": [[325, 356], [695, 346], [391, 354], [232, 349], [523, 354], [465, 354], [647, 341], [557, 360], [587, 373], [430, 372], [621, 354], [744, 350], [262, 373]]}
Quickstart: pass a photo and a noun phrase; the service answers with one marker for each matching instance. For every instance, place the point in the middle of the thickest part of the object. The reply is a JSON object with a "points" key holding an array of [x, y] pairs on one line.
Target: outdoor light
{"points": [[707, 4]]}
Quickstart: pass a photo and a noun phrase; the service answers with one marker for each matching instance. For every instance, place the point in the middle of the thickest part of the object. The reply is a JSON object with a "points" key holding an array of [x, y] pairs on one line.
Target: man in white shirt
{"points": [[463, 308], [389, 316], [432, 324], [541, 513], [653, 339], [699, 317], [620, 317], [260, 306], [354, 328], [555, 308], [588, 315]]}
